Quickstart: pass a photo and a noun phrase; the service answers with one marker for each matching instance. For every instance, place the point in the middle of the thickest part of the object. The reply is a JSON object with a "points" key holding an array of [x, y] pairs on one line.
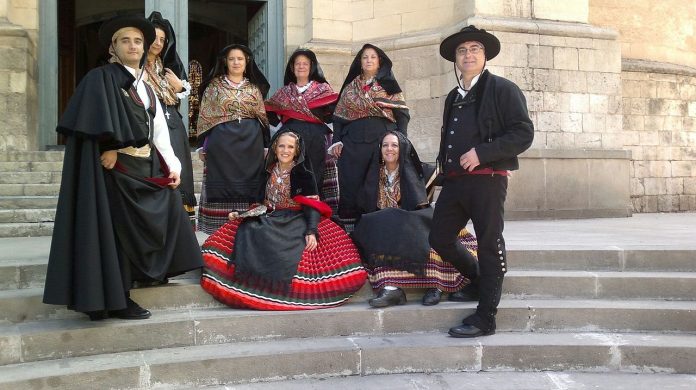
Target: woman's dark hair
{"points": [[315, 72], [251, 70]]}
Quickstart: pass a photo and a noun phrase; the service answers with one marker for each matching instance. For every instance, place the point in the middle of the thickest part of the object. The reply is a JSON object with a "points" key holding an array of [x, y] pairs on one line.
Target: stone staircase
{"points": [[29, 186], [568, 310]]}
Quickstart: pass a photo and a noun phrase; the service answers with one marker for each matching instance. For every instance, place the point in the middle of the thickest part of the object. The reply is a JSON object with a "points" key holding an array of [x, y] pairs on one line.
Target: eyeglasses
{"points": [[474, 50]]}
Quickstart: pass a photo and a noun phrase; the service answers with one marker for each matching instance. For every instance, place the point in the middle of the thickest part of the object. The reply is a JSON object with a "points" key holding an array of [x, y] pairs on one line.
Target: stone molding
{"points": [[645, 66]]}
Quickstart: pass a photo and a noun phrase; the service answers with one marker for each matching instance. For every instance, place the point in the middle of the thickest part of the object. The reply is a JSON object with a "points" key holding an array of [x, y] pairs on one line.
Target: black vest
{"points": [[461, 132]]}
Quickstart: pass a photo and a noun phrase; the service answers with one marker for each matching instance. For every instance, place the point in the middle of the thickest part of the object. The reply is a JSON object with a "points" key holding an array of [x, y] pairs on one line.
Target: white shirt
{"points": [[160, 136], [464, 92]]}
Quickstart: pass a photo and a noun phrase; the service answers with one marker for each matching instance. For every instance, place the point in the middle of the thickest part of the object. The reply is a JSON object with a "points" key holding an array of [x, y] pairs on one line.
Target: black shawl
{"points": [[170, 58], [384, 76]]}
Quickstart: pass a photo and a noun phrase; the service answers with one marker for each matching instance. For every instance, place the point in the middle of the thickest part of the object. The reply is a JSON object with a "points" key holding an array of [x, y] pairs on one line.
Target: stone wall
{"points": [[18, 74], [659, 108]]}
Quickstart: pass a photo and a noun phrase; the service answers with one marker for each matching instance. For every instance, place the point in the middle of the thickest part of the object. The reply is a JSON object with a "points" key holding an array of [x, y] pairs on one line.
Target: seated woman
{"points": [[289, 258], [392, 233]]}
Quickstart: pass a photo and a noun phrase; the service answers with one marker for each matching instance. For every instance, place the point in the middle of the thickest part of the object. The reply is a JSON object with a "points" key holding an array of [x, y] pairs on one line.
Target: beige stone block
{"points": [[687, 202], [546, 80], [649, 138], [417, 89], [295, 17], [571, 122], [549, 121], [637, 187], [556, 101], [540, 56], [635, 106], [639, 76], [588, 140], [641, 169], [689, 124], [648, 89], [513, 54], [658, 168], [654, 122], [552, 40], [613, 123], [690, 185], [539, 141], [691, 109], [612, 141], [570, 81], [590, 60], [332, 29], [673, 123], [523, 77], [535, 100], [322, 9], [672, 78], [631, 88], [683, 168], [424, 20], [18, 82], [441, 85], [570, 193], [679, 138], [655, 185], [614, 105], [633, 123], [516, 37], [567, 11], [675, 186], [653, 153], [636, 151], [393, 7], [579, 102], [604, 83], [630, 138], [560, 140], [565, 58], [687, 91], [668, 203], [667, 90], [599, 104], [359, 10], [593, 123]]}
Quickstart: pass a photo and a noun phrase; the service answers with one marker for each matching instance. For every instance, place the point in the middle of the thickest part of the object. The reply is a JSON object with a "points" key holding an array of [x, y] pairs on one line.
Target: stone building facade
{"points": [[610, 84]]}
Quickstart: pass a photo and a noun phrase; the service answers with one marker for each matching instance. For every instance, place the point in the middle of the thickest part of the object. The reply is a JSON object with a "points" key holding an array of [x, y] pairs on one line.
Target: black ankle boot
{"points": [[388, 298]]}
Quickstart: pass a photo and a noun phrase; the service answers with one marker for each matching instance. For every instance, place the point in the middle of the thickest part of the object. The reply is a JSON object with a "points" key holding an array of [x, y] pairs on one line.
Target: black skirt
{"points": [[178, 136]]}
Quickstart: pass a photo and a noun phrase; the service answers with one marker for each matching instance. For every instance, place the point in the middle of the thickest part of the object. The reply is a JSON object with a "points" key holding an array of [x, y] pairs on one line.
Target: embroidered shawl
{"points": [[278, 190], [360, 100], [289, 103], [389, 195], [223, 102], [156, 79]]}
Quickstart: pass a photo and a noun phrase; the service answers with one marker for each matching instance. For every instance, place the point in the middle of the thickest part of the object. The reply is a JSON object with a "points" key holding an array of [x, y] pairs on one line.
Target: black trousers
{"points": [[481, 199]]}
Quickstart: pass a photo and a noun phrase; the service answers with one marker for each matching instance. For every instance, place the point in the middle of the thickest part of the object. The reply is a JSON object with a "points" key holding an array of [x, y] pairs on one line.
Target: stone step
{"points": [[31, 166], [58, 339], [31, 156], [360, 355], [505, 380], [27, 215], [30, 178], [28, 202], [29, 189], [37, 229], [25, 304]]}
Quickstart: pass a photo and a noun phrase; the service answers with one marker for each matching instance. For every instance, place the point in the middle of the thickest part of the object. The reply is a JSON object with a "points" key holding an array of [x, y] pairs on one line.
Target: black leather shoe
{"points": [[97, 315], [388, 298], [463, 296], [132, 312], [432, 297], [467, 331]]}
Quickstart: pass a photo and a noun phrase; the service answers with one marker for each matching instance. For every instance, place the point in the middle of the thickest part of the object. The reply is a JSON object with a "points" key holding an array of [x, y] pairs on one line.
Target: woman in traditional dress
{"points": [[167, 77], [233, 132], [371, 104], [393, 234], [305, 104], [290, 258]]}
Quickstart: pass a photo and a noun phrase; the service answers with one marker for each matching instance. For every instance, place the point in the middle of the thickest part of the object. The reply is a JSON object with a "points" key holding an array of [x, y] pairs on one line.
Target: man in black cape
{"points": [[119, 219]]}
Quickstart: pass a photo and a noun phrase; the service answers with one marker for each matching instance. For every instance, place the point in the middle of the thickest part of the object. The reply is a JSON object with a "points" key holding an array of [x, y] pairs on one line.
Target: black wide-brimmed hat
{"points": [[470, 33], [108, 28]]}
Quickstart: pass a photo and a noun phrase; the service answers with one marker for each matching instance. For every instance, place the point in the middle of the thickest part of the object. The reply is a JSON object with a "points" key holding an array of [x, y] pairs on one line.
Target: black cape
{"points": [[85, 271]]}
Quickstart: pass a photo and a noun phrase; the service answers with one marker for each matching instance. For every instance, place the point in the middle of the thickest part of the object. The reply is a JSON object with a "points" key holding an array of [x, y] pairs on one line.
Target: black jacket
{"points": [[503, 120]]}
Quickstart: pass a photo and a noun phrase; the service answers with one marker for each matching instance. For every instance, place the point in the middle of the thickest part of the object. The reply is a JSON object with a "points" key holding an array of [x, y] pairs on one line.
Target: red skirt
{"points": [[326, 277]]}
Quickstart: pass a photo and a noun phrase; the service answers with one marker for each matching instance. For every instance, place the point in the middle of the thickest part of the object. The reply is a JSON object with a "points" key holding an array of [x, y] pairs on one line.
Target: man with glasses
{"points": [[485, 126]]}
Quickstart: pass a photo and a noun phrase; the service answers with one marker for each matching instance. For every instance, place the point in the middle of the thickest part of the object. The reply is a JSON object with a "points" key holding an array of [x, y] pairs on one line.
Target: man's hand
{"points": [[469, 160], [336, 150], [201, 155], [177, 179], [108, 159]]}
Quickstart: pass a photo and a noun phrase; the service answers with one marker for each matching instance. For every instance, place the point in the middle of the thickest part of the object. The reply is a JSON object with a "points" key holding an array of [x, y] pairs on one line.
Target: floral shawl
{"points": [[389, 194], [278, 190], [223, 102], [159, 83], [289, 103], [360, 100]]}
